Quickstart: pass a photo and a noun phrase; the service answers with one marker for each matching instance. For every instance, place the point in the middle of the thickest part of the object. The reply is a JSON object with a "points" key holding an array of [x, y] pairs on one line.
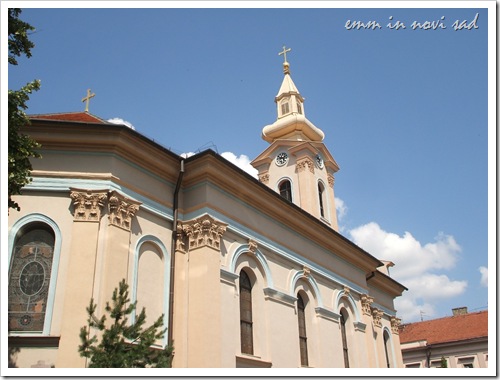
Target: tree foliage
{"points": [[123, 345], [19, 43], [21, 147], [444, 363]]}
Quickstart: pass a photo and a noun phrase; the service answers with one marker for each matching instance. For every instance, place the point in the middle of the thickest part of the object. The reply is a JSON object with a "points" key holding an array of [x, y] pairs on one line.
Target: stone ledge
{"points": [[34, 341], [250, 361]]}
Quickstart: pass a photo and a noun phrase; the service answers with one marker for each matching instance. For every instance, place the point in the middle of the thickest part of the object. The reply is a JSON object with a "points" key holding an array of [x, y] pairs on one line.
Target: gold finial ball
{"points": [[286, 67]]}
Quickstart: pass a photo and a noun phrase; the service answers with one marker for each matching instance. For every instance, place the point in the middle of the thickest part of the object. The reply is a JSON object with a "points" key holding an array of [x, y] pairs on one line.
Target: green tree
{"points": [[123, 345], [444, 363], [21, 146]]}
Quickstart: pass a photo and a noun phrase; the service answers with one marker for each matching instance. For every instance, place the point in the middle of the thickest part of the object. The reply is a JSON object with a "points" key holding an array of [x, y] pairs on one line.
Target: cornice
{"points": [[385, 283], [208, 166], [117, 139], [280, 297]]}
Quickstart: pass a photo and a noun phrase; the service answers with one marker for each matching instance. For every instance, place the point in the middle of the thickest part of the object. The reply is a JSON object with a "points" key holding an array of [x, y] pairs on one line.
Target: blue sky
{"points": [[405, 112]]}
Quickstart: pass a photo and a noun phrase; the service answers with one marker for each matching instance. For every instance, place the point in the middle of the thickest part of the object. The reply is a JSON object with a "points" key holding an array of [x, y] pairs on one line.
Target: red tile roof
{"points": [[448, 329], [82, 117]]}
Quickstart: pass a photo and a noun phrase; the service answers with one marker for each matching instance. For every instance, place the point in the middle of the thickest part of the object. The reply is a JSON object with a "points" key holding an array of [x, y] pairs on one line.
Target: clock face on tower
{"points": [[319, 161], [281, 159]]}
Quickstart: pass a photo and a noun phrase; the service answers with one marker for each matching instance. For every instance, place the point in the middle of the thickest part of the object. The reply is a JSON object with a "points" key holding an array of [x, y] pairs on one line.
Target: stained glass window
{"points": [[29, 278]]}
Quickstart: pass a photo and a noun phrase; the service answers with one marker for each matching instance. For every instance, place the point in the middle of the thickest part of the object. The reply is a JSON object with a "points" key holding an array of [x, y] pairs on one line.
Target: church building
{"points": [[247, 272]]}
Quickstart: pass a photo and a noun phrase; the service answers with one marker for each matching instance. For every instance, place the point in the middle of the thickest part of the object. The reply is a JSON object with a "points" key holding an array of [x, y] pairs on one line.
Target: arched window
{"points": [[386, 349], [345, 350], [299, 108], [321, 196], [285, 107], [285, 189], [150, 281], [246, 324], [304, 362], [29, 277]]}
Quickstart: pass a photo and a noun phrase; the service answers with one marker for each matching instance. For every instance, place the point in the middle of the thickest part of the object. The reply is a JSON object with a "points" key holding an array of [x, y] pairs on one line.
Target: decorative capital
{"points": [[377, 317], [395, 322], [331, 180], [304, 163], [307, 271], [347, 291], [88, 204], [204, 231], [366, 301], [264, 178], [121, 210], [252, 246], [179, 241]]}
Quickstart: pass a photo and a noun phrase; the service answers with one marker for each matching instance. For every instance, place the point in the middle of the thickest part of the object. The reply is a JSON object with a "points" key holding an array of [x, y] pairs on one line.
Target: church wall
{"points": [[284, 344], [330, 354], [29, 357], [91, 166], [256, 223], [323, 333], [107, 242], [230, 331], [275, 243], [381, 298], [54, 206], [74, 162], [282, 257]]}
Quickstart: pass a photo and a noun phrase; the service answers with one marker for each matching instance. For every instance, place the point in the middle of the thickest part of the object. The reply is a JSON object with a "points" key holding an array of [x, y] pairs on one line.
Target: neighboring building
{"points": [[249, 273], [461, 339]]}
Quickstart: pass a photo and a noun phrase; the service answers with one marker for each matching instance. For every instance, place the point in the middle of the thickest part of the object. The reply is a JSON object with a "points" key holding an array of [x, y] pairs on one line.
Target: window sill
{"points": [[250, 361], [34, 341], [324, 220]]}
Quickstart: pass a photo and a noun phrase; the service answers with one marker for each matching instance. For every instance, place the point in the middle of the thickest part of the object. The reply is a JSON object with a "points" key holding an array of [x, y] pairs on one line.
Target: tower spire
{"points": [[291, 122], [297, 164]]}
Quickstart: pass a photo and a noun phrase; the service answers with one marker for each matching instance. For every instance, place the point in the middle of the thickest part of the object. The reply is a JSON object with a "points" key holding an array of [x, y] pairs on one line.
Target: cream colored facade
{"points": [[109, 196], [462, 354]]}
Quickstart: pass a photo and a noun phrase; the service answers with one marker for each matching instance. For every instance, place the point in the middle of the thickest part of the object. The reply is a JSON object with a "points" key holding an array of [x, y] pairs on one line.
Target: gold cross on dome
{"points": [[87, 100], [285, 50]]}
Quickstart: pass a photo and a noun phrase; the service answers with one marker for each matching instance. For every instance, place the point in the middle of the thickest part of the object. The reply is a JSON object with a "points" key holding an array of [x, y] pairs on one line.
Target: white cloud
{"points": [[412, 258], [188, 154], [433, 286], [409, 310], [416, 267], [484, 276], [117, 120], [243, 162], [341, 208]]}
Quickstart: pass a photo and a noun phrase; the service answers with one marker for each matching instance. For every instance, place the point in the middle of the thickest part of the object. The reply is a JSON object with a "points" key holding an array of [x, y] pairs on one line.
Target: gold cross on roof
{"points": [[285, 50], [87, 100]]}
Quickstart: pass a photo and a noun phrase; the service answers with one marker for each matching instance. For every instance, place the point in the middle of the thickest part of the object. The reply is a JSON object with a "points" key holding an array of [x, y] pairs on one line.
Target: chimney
{"points": [[459, 310]]}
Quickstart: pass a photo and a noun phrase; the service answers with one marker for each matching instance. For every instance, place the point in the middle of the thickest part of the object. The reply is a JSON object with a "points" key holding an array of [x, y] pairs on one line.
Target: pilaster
{"points": [[331, 202], [307, 186], [202, 239], [180, 320], [87, 208], [121, 211]]}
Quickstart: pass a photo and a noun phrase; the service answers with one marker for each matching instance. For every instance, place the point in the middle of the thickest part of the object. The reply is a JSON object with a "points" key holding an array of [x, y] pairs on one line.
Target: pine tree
{"points": [[123, 345]]}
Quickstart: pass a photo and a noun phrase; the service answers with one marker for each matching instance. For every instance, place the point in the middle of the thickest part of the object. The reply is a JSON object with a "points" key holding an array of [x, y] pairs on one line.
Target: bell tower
{"points": [[297, 163]]}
